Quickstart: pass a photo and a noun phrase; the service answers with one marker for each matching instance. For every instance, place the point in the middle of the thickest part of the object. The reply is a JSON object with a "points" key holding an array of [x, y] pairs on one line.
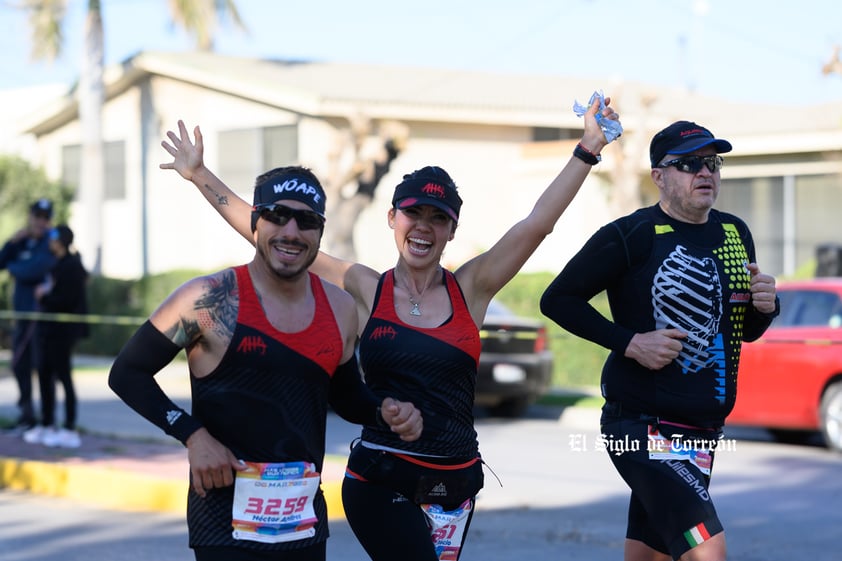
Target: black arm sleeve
{"points": [[757, 323], [603, 259], [132, 377], [351, 398]]}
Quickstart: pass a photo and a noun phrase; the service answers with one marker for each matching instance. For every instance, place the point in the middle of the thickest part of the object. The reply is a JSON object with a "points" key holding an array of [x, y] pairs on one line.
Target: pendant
{"points": [[415, 311]]}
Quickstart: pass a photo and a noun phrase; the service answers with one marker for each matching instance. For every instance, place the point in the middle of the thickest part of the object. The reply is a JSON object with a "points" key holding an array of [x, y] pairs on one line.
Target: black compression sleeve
{"points": [[757, 322], [351, 398], [132, 377], [605, 258]]}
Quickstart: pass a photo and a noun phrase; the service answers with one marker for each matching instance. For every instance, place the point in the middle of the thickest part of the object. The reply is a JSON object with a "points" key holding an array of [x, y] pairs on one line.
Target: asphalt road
{"points": [[558, 496], [559, 499]]}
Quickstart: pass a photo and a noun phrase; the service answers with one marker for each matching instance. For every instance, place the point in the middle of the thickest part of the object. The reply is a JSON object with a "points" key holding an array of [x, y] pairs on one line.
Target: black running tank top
{"points": [[434, 368], [267, 402]]}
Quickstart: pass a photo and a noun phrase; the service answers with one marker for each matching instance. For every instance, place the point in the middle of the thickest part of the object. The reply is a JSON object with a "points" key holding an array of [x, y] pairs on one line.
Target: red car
{"points": [[790, 380]]}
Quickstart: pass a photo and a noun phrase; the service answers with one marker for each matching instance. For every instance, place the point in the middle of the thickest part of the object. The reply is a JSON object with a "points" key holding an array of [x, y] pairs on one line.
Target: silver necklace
{"points": [[416, 310]]}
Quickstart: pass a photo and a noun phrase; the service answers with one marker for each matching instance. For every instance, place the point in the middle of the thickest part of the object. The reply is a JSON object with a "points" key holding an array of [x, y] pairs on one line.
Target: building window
{"points": [[71, 167], [115, 168], [789, 217], [818, 199], [115, 171], [547, 134], [759, 202], [246, 153]]}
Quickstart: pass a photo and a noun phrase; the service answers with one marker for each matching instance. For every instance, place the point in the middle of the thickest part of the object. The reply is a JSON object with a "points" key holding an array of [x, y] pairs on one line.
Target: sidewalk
{"points": [[124, 462]]}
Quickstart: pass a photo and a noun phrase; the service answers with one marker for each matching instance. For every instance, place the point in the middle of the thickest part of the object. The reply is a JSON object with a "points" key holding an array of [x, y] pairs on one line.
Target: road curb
{"points": [[117, 489]]}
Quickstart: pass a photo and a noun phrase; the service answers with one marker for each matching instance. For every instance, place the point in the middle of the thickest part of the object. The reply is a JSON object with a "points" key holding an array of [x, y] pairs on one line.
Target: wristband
{"points": [[586, 155]]}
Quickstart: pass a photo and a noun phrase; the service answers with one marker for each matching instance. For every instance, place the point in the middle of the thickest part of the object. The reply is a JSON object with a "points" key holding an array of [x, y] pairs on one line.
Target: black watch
{"points": [[586, 155]]}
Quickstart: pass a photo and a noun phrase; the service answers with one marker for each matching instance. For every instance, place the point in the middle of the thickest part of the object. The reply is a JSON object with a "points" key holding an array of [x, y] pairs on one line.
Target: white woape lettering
{"points": [[294, 185]]}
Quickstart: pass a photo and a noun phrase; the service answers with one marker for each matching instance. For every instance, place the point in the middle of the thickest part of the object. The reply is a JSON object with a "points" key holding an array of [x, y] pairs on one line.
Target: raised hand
{"points": [[188, 157]]}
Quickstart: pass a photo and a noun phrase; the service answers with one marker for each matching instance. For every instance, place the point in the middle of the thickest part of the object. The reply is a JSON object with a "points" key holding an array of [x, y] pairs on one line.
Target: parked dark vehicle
{"points": [[790, 380], [516, 365]]}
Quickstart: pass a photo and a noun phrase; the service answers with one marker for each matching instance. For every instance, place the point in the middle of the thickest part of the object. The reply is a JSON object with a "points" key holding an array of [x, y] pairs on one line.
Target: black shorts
{"points": [[670, 509]]}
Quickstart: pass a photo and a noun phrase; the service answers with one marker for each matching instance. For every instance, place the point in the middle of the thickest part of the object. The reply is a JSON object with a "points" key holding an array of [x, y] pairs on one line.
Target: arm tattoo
{"points": [[184, 333], [216, 310], [221, 200], [220, 303]]}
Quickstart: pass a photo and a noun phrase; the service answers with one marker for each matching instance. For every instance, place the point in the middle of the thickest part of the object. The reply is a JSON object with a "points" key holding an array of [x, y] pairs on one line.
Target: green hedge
{"points": [[577, 362], [110, 297], [133, 298]]}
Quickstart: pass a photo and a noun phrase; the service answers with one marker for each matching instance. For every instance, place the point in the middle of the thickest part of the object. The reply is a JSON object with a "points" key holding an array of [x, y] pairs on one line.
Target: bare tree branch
{"points": [[371, 157]]}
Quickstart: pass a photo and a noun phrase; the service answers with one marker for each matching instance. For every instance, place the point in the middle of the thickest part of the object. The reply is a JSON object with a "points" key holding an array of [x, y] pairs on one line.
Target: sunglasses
{"points": [[693, 164], [281, 215]]}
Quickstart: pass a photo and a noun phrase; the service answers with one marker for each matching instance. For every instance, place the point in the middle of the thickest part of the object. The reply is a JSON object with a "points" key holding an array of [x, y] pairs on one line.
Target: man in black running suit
{"points": [[684, 292], [268, 345]]}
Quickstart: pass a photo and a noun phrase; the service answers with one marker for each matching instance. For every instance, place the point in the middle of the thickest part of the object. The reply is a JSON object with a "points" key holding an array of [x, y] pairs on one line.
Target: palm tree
{"points": [[198, 17]]}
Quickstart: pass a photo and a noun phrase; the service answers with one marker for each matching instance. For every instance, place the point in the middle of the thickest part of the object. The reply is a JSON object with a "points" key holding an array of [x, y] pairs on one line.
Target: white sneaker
{"points": [[39, 435], [62, 438], [33, 435]]}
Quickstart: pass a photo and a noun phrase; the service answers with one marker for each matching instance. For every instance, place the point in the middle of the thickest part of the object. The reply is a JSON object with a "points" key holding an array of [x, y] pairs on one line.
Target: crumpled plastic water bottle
{"points": [[610, 128]]}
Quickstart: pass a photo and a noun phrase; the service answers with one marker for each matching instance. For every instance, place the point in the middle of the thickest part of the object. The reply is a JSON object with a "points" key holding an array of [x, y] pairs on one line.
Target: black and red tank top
{"points": [[267, 402], [434, 368]]}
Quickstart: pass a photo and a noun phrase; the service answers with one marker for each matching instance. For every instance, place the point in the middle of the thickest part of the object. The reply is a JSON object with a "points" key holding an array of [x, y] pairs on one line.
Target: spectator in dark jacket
{"points": [[63, 293], [28, 259]]}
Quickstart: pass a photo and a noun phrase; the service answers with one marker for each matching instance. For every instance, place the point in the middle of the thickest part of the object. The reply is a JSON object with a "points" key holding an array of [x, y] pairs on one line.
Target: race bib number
{"points": [[695, 452], [447, 527], [273, 502]]}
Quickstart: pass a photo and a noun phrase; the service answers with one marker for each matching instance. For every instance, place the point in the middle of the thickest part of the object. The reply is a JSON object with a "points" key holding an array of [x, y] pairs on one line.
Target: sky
{"points": [[738, 50]]}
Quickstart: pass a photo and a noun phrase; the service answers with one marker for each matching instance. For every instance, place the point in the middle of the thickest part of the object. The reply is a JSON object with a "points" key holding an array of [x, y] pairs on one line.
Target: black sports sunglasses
{"points": [[693, 164], [281, 215]]}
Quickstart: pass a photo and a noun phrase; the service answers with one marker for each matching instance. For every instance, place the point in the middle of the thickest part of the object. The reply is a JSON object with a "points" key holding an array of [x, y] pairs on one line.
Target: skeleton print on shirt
{"points": [[687, 295]]}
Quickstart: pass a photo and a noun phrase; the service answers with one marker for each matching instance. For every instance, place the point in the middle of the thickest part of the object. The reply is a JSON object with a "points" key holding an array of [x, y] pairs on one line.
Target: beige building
{"points": [[502, 137]]}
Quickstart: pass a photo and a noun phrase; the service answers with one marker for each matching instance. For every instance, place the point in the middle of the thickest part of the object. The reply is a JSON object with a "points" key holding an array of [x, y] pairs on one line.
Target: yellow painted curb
{"points": [[333, 497], [98, 486], [117, 489]]}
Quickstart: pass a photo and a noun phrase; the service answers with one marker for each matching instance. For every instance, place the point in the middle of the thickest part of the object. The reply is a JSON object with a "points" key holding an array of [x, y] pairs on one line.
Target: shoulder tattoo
{"points": [[215, 310]]}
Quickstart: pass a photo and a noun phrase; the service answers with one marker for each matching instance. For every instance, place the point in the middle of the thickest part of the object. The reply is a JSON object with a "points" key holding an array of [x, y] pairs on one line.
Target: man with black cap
{"points": [[27, 257], [684, 292], [268, 345]]}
